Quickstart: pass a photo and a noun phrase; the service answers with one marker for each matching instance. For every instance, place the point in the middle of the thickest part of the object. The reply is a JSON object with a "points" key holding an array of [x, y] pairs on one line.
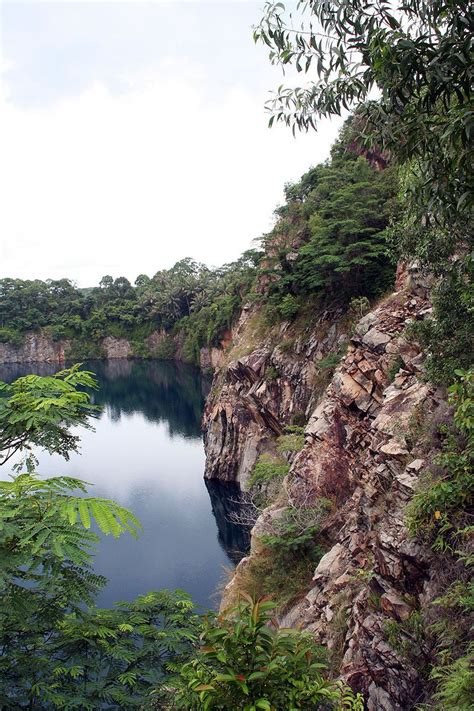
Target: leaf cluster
{"points": [[245, 663]]}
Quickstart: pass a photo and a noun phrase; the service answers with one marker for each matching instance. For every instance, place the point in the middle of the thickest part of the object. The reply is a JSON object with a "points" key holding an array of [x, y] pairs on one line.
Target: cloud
{"points": [[130, 182]]}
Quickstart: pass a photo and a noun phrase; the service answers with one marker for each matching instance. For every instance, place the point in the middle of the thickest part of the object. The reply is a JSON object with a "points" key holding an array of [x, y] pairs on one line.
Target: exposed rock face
{"points": [[36, 347], [255, 395], [116, 347], [359, 453], [40, 348]]}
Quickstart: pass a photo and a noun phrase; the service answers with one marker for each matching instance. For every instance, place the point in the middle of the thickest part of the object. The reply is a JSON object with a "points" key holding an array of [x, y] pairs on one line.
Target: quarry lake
{"points": [[147, 453]]}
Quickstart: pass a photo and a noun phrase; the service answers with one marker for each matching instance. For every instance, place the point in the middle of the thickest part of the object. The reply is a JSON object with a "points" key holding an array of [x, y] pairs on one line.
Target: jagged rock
{"points": [[393, 605], [257, 407], [331, 563], [394, 449], [376, 339], [36, 347], [416, 465], [354, 454]]}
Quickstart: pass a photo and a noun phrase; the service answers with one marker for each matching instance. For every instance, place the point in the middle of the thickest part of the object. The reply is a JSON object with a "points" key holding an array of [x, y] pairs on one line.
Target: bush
{"points": [[447, 337], [288, 307], [294, 532], [271, 373], [291, 442], [440, 508], [10, 336], [165, 349], [268, 469], [245, 663], [455, 683]]}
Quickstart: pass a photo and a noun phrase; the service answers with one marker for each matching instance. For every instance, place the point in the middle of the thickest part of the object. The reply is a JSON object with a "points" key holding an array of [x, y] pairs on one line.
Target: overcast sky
{"points": [[133, 134]]}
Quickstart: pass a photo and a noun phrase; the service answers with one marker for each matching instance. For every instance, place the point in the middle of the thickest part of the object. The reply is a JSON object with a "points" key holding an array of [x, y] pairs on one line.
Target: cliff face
{"points": [[36, 347], [40, 348], [360, 453], [256, 394]]}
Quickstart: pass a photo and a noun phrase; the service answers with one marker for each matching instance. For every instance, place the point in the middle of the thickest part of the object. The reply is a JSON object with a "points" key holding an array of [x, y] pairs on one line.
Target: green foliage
{"points": [[287, 345], [417, 55], [187, 299], [165, 349], [347, 253], [99, 659], [394, 368], [268, 469], [334, 223], [440, 514], [409, 639], [455, 683], [288, 307], [39, 411], [295, 530], [448, 336], [291, 442], [11, 336], [55, 650], [440, 508], [329, 362], [245, 663], [358, 307], [271, 373], [453, 671]]}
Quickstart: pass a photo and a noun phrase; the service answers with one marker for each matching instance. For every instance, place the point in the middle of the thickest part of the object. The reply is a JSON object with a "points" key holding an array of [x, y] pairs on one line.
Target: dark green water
{"points": [[147, 453]]}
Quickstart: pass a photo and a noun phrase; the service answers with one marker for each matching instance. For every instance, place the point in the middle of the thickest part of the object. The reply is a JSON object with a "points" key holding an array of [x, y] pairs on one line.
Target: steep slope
{"points": [[360, 453], [275, 384]]}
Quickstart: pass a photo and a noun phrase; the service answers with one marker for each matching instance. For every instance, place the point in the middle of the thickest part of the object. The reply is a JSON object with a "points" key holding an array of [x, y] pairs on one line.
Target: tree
{"points": [[40, 411], [417, 56]]}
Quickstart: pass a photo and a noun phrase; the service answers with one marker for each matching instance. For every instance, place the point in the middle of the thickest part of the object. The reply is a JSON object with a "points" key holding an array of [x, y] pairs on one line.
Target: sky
{"points": [[134, 134]]}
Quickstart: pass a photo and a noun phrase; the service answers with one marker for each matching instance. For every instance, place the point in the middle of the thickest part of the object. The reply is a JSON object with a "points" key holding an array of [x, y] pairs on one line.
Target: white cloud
{"points": [[129, 183]]}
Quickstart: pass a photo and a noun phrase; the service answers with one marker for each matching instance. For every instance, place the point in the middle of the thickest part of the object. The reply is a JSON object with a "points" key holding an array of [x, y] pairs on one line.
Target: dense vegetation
{"points": [[417, 55], [330, 242], [197, 303], [57, 651]]}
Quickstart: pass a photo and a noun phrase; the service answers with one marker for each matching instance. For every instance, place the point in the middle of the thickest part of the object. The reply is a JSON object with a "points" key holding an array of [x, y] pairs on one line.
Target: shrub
{"points": [[271, 373], [358, 307], [329, 362], [165, 349], [245, 663], [268, 469], [394, 368], [294, 532], [287, 345], [288, 307], [455, 683], [439, 509], [291, 442], [9, 335]]}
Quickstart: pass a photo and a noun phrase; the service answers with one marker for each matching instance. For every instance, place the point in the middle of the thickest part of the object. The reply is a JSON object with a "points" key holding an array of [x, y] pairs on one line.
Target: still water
{"points": [[147, 453]]}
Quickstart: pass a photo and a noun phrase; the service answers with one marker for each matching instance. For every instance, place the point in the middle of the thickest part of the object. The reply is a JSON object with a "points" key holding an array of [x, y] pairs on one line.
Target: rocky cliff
{"points": [[36, 348], [39, 347], [266, 383], [360, 452]]}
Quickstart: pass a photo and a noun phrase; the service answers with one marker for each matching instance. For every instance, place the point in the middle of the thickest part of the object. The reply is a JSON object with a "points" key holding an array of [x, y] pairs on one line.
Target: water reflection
{"points": [[147, 453], [229, 511]]}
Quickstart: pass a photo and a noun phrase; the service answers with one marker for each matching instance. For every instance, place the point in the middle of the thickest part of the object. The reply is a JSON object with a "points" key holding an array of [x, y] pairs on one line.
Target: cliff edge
{"points": [[360, 453]]}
